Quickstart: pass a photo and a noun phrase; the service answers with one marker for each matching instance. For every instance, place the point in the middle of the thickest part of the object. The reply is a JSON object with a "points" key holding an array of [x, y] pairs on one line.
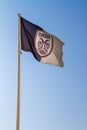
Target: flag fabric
{"points": [[45, 47]]}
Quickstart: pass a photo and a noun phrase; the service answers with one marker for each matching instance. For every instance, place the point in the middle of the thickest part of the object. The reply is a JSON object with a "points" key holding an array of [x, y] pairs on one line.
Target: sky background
{"points": [[52, 98]]}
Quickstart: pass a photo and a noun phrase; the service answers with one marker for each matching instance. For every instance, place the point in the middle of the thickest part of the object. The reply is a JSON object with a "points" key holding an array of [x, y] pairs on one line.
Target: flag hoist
{"points": [[45, 47]]}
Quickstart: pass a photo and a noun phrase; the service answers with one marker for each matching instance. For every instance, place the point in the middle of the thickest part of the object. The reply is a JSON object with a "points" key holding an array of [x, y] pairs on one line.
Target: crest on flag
{"points": [[43, 43]]}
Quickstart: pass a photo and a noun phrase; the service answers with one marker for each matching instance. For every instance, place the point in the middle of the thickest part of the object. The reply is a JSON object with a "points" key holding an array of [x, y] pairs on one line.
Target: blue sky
{"points": [[52, 98]]}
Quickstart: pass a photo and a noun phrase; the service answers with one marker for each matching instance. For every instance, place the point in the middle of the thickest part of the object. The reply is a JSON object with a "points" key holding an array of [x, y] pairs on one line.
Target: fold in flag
{"points": [[45, 47]]}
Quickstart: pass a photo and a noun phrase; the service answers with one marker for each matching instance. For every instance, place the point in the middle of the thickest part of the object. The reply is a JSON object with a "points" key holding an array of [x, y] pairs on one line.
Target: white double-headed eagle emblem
{"points": [[43, 43]]}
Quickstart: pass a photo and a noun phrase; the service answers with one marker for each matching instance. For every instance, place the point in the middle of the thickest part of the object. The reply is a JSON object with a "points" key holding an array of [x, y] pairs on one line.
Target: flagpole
{"points": [[18, 75]]}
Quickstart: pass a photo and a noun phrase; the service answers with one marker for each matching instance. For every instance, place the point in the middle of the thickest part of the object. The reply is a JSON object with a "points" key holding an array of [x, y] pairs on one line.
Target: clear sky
{"points": [[52, 98]]}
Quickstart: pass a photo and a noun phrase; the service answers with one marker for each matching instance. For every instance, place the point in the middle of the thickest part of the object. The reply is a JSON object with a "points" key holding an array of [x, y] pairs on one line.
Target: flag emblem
{"points": [[43, 43]]}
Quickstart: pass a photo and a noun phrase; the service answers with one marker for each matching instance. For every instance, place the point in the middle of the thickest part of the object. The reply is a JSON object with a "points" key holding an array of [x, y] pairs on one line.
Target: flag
{"points": [[45, 47]]}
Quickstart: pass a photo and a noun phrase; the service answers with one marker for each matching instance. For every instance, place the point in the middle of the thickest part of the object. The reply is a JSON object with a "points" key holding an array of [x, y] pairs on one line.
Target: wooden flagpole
{"points": [[18, 76]]}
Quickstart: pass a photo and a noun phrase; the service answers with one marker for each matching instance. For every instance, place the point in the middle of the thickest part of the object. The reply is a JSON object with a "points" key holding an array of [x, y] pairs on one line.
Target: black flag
{"points": [[45, 47]]}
